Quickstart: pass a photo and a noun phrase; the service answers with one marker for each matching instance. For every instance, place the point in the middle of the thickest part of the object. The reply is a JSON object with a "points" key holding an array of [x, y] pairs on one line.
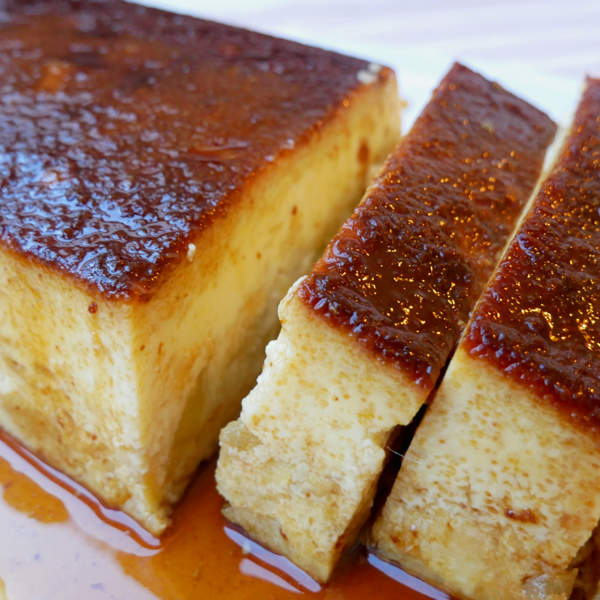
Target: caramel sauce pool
{"points": [[58, 542]]}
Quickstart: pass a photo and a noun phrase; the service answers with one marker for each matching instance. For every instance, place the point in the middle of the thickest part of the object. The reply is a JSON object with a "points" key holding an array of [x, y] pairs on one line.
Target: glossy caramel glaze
{"points": [[405, 270], [540, 319], [103, 554], [125, 131]]}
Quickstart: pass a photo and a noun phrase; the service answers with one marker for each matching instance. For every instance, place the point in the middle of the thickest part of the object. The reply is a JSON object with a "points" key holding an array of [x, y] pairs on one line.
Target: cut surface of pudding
{"points": [[365, 335], [500, 488], [163, 180]]}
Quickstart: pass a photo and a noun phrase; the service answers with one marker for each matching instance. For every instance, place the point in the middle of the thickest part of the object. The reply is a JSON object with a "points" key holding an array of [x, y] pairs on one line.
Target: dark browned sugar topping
{"points": [[405, 270], [125, 130], [540, 320]]}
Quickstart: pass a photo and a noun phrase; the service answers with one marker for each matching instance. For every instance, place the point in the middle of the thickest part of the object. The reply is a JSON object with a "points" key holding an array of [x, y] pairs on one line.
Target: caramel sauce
{"points": [[65, 544], [405, 270], [539, 321], [125, 131], [28, 498]]}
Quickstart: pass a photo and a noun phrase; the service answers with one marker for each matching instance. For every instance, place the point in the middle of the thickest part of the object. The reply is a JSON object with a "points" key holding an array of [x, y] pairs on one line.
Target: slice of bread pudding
{"points": [[163, 180]]}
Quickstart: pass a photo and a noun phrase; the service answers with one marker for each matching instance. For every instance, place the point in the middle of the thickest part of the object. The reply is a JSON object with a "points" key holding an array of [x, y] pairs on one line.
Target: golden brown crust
{"points": [[126, 131], [539, 321], [404, 272]]}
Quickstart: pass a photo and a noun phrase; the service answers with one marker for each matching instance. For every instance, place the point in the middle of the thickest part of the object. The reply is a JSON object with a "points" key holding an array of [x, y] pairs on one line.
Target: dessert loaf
{"points": [[163, 180], [365, 336]]}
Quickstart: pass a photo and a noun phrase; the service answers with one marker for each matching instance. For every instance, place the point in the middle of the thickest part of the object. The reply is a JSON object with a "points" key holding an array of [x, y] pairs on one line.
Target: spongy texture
{"points": [[300, 466], [496, 494]]}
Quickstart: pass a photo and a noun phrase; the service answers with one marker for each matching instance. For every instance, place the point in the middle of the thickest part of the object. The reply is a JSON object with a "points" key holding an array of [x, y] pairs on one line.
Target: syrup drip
{"points": [[65, 544]]}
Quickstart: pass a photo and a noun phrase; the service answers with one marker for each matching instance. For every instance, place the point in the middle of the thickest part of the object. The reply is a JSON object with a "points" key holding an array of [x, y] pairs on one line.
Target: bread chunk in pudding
{"points": [[163, 181], [500, 488], [365, 336]]}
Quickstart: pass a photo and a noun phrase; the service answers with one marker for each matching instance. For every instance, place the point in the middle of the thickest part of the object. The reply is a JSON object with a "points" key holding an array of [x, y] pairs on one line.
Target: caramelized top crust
{"points": [[539, 321], [404, 271], [124, 131]]}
